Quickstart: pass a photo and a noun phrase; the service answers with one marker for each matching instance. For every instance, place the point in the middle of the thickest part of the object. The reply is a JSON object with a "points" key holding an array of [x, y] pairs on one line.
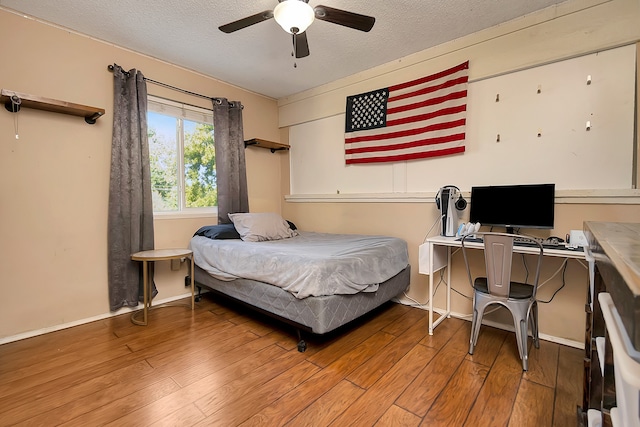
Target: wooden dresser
{"points": [[615, 269]]}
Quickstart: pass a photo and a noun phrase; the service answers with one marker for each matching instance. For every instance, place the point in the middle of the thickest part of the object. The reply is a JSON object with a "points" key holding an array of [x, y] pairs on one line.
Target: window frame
{"points": [[181, 111]]}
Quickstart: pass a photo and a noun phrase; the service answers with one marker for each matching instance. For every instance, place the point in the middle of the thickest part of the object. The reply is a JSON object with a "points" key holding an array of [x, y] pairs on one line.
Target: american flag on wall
{"points": [[422, 118]]}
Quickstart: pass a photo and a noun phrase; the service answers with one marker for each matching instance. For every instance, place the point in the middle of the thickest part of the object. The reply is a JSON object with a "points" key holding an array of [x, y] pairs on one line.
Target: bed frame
{"points": [[317, 315]]}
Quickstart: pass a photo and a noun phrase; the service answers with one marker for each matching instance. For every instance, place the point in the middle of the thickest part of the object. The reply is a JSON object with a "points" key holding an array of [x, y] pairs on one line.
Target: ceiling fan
{"points": [[295, 16]]}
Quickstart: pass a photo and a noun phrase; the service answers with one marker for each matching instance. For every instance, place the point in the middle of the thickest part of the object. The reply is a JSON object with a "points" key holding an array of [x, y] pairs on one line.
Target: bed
{"points": [[316, 282]]}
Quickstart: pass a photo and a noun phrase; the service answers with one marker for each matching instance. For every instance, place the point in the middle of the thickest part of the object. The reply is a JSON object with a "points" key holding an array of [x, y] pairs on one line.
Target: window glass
{"points": [[182, 157]]}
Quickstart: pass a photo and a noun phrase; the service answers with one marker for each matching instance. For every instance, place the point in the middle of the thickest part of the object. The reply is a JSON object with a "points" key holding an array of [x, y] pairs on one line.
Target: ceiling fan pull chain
{"points": [[293, 35]]}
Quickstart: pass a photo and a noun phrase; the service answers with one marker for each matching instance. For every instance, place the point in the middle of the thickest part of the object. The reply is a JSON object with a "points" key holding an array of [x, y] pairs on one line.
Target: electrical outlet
{"points": [[175, 264]]}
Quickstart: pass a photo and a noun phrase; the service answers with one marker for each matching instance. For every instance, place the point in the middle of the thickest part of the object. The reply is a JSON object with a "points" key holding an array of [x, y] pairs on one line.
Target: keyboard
{"points": [[517, 242]]}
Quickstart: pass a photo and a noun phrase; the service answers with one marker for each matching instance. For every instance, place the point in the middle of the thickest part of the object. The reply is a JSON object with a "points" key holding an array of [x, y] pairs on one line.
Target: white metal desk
{"points": [[435, 254]]}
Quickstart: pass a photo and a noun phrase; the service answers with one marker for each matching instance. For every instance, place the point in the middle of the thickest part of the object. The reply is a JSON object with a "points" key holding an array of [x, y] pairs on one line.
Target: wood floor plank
{"points": [[494, 403], [48, 345], [248, 402], [222, 357], [371, 371], [344, 343], [488, 345], [184, 417], [202, 347], [445, 330], [162, 318], [60, 404], [568, 386], [207, 384], [324, 410], [543, 364], [407, 320], [423, 391], [231, 391], [398, 417], [454, 402], [115, 409], [387, 389], [533, 406], [296, 400], [25, 379]]}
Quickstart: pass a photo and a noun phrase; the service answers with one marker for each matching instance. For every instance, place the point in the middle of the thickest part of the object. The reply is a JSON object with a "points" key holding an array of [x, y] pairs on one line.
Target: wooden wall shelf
{"points": [[263, 143], [90, 114]]}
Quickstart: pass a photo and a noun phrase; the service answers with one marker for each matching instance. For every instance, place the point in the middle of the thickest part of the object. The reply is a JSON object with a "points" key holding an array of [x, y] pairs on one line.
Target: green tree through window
{"points": [[199, 165], [182, 158]]}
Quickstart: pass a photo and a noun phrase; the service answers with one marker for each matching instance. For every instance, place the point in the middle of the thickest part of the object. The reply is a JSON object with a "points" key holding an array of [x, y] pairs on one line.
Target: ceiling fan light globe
{"points": [[294, 16]]}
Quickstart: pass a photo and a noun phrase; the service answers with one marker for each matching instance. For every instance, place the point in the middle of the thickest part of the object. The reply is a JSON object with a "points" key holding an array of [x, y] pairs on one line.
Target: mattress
{"points": [[309, 264], [320, 314]]}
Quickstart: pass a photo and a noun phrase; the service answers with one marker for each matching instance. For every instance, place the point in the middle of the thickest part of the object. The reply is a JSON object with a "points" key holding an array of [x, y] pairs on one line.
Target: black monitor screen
{"points": [[513, 206]]}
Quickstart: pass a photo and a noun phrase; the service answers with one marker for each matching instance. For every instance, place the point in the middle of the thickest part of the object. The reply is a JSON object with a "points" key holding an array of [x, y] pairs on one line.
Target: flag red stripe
{"points": [[430, 89], [405, 145], [405, 157], [432, 77], [427, 116], [408, 132], [427, 102]]}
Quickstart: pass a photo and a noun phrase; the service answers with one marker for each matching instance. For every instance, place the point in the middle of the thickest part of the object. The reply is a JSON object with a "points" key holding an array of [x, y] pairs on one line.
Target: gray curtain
{"points": [[231, 171], [130, 208]]}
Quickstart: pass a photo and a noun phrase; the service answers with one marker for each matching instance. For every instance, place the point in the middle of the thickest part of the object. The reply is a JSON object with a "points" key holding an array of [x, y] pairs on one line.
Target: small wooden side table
{"points": [[158, 255]]}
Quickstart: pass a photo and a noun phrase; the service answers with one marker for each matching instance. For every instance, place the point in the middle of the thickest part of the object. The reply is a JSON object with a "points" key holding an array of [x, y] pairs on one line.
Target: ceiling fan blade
{"points": [[246, 22], [300, 45], [342, 17]]}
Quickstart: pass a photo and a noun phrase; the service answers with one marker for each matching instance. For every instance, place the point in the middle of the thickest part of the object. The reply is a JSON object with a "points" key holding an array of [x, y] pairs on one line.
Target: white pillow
{"points": [[258, 227]]}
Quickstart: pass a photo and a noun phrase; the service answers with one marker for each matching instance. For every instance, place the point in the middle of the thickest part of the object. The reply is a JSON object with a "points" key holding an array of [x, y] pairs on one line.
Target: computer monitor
{"points": [[513, 206]]}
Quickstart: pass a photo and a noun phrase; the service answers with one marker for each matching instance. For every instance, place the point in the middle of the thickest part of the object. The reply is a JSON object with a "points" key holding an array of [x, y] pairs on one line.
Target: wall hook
{"points": [[497, 97], [589, 79], [498, 138], [539, 88]]}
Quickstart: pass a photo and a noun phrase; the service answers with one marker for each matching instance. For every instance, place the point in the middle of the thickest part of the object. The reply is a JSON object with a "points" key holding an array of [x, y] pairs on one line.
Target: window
{"points": [[182, 157]]}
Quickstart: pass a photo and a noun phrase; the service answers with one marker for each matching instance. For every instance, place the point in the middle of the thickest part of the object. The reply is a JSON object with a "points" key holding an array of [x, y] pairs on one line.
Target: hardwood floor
{"points": [[223, 366]]}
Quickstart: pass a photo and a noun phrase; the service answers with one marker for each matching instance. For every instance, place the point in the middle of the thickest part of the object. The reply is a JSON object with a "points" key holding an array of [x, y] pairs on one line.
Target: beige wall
{"points": [[568, 30], [54, 180]]}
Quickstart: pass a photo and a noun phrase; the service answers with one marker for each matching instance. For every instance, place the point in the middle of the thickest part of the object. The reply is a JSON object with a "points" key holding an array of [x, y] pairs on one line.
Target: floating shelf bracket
{"points": [[263, 143], [13, 101]]}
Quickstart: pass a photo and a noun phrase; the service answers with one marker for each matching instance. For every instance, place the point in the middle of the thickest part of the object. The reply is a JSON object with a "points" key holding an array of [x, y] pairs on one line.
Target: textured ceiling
{"points": [[258, 58]]}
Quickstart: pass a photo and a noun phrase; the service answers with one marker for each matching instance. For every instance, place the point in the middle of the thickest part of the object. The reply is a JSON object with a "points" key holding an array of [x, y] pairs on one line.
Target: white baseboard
{"points": [[121, 311], [504, 327]]}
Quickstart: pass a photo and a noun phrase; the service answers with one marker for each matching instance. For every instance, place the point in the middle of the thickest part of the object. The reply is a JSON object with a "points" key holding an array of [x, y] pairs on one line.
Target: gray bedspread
{"points": [[311, 264]]}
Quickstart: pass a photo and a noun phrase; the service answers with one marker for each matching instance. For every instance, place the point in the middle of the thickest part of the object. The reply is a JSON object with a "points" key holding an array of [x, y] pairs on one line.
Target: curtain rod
{"points": [[155, 82]]}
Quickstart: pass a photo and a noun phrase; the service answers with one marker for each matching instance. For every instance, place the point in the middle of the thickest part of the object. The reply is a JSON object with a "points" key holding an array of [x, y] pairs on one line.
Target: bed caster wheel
{"points": [[302, 346]]}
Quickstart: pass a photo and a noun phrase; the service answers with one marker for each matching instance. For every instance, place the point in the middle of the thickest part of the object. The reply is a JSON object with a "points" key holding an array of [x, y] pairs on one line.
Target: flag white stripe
{"points": [[404, 127]]}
